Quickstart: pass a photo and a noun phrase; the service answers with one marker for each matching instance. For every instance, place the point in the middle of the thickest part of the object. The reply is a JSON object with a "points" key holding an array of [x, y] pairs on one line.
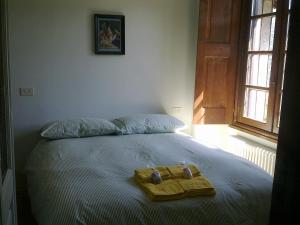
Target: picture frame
{"points": [[109, 34]]}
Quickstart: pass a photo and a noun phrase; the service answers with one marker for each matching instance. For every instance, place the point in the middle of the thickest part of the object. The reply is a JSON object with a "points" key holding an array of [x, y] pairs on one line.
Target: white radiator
{"points": [[232, 141], [261, 155]]}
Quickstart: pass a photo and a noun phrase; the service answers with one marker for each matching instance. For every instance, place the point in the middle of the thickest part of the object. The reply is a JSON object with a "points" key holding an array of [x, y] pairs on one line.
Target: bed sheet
{"points": [[89, 181]]}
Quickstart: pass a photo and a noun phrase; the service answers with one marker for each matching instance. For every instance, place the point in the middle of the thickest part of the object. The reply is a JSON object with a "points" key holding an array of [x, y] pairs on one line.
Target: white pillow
{"points": [[148, 124], [81, 127]]}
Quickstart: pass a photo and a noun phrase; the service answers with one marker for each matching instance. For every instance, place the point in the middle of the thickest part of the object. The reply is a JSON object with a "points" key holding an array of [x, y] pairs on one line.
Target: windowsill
{"points": [[251, 132], [218, 135], [263, 140]]}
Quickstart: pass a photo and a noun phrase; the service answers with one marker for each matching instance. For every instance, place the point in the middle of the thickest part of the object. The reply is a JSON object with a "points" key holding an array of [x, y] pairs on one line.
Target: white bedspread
{"points": [[89, 181]]}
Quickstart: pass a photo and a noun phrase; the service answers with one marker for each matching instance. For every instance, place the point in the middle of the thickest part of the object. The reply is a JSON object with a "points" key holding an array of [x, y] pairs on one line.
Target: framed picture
{"points": [[109, 34]]}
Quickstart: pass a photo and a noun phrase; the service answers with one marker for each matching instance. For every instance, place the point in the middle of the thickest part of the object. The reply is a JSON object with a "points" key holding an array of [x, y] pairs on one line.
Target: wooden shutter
{"points": [[219, 22]]}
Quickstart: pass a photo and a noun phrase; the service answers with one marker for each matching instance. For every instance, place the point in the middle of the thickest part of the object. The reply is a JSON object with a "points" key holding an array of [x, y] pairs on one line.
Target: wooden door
{"points": [[7, 185], [216, 61]]}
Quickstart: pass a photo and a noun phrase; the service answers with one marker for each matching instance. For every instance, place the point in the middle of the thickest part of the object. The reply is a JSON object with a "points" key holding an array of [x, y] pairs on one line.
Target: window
{"points": [[263, 44]]}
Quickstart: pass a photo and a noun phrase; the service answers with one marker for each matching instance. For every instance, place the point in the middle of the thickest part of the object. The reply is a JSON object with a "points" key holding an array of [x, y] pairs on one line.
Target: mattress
{"points": [[89, 181]]}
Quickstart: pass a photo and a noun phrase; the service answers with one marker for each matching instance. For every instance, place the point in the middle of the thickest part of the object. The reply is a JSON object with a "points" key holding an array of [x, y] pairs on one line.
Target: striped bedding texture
{"points": [[88, 181]]}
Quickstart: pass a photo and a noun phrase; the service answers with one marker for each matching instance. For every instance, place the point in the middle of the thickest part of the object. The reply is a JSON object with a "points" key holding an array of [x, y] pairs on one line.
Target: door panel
{"points": [[216, 61], [10, 218], [7, 196], [7, 187], [216, 20]]}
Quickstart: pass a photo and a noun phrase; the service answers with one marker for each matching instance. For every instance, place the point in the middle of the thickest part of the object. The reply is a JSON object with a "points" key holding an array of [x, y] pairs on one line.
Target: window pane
{"points": [[256, 104], [284, 62], [262, 34], [279, 110], [260, 7], [259, 70], [287, 32]]}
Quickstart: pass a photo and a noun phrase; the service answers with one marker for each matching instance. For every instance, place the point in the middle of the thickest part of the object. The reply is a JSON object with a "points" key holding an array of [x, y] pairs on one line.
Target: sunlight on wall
{"points": [[214, 134]]}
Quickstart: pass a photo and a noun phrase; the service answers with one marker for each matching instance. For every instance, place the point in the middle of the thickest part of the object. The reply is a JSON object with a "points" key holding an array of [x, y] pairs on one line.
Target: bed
{"points": [[89, 181]]}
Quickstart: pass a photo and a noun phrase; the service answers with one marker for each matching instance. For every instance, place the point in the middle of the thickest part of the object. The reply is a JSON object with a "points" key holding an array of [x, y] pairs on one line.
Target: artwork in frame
{"points": [[109, 34]]}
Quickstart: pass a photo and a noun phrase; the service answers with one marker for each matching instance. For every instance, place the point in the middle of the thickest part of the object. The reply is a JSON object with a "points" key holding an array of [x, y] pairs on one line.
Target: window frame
{"points": [[268, 129], [282, 54]]}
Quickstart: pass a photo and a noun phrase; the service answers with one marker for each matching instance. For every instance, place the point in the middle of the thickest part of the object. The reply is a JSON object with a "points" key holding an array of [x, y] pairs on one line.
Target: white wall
{"points": [[51, 50]]}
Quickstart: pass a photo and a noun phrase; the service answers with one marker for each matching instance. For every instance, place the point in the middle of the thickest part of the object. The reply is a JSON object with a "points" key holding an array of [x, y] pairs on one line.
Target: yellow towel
{"points": [[144, 175], [173, 185], [166, 190], [197, 186], [177, 171]]}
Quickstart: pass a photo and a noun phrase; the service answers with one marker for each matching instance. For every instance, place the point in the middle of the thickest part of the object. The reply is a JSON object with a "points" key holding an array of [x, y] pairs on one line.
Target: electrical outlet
{"points": [[26, 91], [177, 109]]}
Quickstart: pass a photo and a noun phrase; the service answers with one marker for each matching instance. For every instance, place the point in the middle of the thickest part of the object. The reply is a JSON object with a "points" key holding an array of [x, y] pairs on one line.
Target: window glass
{"points": [[278, 124], [287, 33], [284, 62], [262, 34], [260, 7], [259, 70], [263, 59], [256, 104]]}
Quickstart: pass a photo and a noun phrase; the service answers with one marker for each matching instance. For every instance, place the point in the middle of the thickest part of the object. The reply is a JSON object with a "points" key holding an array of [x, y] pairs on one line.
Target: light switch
{"points": [[26, 91]]}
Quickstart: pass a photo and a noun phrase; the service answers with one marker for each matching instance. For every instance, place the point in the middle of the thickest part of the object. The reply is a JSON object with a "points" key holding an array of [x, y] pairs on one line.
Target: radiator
{"points": [[262, 156]]}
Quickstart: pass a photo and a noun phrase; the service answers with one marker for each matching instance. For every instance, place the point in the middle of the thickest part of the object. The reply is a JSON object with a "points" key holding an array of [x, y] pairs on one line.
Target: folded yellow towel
{"points": [[166, 190], [173, 185], [144, 175], [196, 186], [177, 171]]}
